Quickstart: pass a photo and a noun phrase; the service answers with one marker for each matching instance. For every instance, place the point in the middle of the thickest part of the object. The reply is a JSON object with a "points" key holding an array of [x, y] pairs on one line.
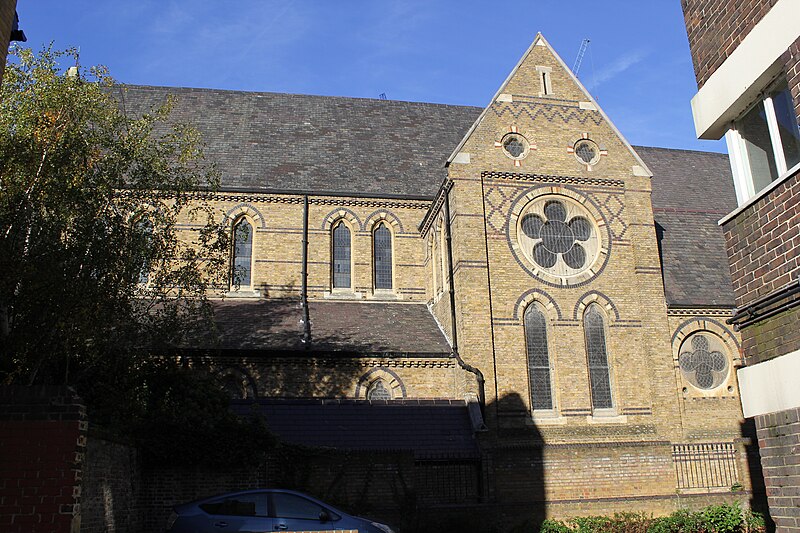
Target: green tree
{"points": [[94, 275]]}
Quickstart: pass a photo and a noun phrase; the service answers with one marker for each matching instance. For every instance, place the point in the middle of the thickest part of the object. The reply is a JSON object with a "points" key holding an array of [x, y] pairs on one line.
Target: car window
{"points": [[292, 506], [242, 505]]}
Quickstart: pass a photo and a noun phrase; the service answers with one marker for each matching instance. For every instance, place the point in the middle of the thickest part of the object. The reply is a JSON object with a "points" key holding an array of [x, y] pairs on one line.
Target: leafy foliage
{"points": [[99, 274], [90, 202], [723, 518]]}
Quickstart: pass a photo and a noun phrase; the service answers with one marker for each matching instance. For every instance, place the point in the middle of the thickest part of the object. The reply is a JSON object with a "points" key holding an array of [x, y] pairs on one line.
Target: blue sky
{"points": [[637, 66]]}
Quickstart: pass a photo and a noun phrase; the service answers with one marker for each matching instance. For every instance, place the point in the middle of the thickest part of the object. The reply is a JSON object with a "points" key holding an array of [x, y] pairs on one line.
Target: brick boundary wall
{"points": [[42, 444], [779, 441], [110, 487], [716, 27]]}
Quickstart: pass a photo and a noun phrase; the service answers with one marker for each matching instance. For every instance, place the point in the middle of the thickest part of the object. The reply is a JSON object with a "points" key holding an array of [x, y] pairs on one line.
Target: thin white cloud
{"points": [[620, 65]]}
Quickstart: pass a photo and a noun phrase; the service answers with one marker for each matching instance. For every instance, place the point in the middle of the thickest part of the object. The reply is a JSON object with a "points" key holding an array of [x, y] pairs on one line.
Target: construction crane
{"points": [[577, 66]]}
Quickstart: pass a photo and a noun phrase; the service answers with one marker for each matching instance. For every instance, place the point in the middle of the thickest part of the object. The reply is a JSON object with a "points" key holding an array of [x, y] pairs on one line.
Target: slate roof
{"points": [[337, 328], [430, 429], [691, 192], [272, 141], [385, 148]]}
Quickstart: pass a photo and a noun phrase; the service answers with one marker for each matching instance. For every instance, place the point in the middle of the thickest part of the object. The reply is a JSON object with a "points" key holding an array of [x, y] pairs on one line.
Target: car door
{"points": [[241, 513], [292, 512]]}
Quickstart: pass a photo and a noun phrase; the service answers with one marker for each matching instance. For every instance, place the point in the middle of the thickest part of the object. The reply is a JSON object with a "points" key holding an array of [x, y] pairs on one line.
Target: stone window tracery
{"points": [[378, 391], [703, 361], [559, 238]]}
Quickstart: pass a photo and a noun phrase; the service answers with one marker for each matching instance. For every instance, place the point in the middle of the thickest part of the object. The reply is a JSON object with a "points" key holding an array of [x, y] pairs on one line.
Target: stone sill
{"points": [[343, 295], [243, 294]]}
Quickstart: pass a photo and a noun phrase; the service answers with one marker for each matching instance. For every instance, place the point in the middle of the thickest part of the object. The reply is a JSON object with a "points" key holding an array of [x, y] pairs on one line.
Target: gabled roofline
{"points": [[540, 37]]}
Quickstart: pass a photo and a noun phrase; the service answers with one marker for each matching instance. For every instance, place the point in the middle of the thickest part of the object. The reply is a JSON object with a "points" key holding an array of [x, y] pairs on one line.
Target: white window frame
{"points": [[740, 162]]}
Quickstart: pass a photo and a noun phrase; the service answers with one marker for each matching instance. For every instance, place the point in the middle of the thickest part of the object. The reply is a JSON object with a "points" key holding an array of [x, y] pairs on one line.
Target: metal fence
{"points": [[711, 465]]}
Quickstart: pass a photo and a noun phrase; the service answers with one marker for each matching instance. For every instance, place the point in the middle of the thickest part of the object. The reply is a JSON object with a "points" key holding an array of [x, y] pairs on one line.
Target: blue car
{"points": [[264, 510]]}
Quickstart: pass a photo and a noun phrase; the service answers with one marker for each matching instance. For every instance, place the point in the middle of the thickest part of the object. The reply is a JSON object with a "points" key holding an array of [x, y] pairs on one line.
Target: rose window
{"points": [[704, 365], [515, 146], [557, 236]]}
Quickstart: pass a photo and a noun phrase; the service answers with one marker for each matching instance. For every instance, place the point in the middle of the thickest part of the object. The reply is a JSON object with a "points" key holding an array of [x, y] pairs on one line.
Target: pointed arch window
{"points": [[538, 359], [242, 253], [341, 256], [145, 232], [597, 356], [382, 256]]}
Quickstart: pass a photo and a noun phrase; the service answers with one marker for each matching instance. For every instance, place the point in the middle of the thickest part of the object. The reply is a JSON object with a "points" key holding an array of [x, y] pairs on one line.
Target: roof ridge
{"points": [[304, 95], [638, 146]]}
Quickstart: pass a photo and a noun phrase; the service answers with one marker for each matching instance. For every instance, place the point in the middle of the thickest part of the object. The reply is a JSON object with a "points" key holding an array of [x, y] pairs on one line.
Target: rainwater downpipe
{"points": [[304, 278], [453, 330]]}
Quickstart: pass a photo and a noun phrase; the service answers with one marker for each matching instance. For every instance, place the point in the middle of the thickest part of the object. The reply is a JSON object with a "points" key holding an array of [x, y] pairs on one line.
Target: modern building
{"points": [[747, 61], [529, 306]]}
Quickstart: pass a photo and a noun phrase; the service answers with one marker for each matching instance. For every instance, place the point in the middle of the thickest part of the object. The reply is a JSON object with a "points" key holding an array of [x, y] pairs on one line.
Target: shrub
{"points": [[725, 518]]}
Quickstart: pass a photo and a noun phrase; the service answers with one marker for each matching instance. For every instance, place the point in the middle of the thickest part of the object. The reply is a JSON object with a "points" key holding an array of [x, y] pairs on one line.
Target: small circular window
{"points": [[556, 234], [703, 361], [587, 152], [515, 146]]}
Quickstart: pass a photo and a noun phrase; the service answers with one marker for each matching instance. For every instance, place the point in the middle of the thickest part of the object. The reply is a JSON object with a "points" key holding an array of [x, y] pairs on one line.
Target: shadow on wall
{"points": [[434, 495], [749, 447]]}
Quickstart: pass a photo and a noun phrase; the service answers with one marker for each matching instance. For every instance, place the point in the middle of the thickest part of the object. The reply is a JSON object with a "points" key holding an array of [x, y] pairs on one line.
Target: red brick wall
{"points": [[716, 27], [42, 440], [763, 245], [779, 441], [792, 61]]}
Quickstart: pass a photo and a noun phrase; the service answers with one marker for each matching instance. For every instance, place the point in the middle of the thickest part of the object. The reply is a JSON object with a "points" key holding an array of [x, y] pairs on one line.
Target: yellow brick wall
{"points": [[277, 243]]}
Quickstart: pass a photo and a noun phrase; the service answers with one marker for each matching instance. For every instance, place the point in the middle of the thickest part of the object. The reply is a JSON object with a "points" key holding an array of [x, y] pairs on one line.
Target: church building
{"points": [[529, 306]]}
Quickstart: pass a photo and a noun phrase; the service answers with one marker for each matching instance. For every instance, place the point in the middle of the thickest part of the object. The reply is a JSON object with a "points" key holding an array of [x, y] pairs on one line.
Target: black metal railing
{"points": [[711, 465]]}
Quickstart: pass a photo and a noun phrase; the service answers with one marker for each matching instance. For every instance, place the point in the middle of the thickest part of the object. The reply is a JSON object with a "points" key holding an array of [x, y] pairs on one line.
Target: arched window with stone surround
{"points": [[594, 329], [382, 256], [538, 359], [242, 259], [341, 265]]}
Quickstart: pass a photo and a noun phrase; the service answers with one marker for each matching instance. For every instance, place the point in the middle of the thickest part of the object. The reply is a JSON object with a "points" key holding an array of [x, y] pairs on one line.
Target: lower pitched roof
{"points": [[430, 429], [337, 328]]}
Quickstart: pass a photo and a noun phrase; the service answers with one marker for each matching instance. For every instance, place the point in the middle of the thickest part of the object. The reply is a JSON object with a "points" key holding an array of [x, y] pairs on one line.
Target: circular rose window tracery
{"points": [[703, 361], [556, 234], [515, 146]]}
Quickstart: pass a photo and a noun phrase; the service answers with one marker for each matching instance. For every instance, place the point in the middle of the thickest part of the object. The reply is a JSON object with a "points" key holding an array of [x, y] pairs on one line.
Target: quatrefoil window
{"points": [[558, 236], [703, 362]]}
